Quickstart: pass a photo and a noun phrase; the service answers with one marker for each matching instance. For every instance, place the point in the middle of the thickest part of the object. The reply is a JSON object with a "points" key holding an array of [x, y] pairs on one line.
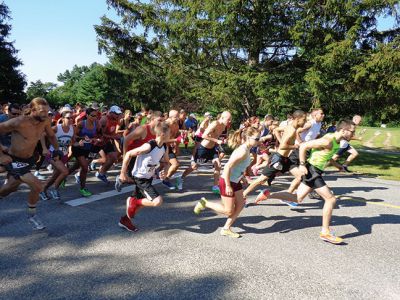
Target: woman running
{"points": [[232, 200]]}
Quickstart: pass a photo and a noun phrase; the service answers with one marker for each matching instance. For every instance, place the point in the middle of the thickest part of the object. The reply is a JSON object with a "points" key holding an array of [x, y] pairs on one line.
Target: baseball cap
{"points": [[115, 109], [94, 105], [192, 115], [207, 114], [65, 109]]}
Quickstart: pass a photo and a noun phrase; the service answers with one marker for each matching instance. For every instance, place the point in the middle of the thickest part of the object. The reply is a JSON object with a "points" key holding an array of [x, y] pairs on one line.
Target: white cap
{"points": [[115, 109], [65, 109], [207, 114], [192, 115], [94, 105]]}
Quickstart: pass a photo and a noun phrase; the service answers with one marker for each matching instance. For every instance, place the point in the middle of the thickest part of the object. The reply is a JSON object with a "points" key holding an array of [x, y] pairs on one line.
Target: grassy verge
{"points": [[384, 166]]}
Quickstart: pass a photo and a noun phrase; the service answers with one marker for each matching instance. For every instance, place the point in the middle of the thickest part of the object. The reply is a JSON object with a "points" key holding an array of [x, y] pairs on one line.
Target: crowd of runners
{"points": [[79, 140]]}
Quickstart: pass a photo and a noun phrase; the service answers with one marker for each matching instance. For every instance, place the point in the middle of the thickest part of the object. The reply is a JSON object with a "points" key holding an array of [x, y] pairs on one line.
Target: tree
{"points": [[12, 81], [251, 56], [39, 89]]}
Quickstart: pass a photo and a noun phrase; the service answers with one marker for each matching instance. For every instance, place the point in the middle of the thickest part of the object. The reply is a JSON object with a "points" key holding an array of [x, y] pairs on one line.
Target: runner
{"points": [[323, 150], [231, 188], [173, 150], [108, 125], [148, 157], [346, 147], [279, 161], [86, 134], [137, 138], [65, 136], [206, 150], [25, 133]]}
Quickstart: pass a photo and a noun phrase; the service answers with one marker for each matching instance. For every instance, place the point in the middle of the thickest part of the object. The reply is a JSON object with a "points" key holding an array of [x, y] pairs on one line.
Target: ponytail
{"points": [[236, 138]]}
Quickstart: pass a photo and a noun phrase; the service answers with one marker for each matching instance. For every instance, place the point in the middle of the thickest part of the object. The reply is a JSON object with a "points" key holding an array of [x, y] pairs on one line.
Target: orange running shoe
{"points": [[330, 237]]}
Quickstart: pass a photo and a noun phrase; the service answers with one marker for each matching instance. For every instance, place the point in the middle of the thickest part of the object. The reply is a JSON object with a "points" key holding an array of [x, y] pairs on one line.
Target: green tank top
{"points": [[320, 158]]}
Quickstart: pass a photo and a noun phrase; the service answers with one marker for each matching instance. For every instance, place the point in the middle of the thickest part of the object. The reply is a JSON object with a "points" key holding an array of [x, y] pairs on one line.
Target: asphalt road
{"points": [[176, 255]]}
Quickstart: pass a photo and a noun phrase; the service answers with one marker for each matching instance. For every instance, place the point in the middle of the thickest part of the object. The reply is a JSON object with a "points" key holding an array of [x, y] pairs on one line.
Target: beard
{"points": [[39, 118]]}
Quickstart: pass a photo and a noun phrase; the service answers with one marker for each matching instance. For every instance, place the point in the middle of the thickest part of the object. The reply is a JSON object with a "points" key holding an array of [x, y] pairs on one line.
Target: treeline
{"points": [[251, 57]]}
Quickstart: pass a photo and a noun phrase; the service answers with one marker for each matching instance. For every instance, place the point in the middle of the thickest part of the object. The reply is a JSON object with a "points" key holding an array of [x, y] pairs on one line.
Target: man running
{"points": [[137, 138], [279, 161], [323, 150], [25, 133], [148, 157], [206, 150]]}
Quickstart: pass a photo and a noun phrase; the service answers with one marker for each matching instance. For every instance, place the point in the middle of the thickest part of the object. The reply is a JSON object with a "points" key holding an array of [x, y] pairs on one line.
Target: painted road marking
{"points": [[369, 202], [108, 194]]}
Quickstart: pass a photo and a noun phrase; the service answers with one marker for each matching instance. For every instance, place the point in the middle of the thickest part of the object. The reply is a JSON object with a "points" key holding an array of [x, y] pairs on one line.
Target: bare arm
{"points": [[207, 133], [10, 125], [51, 135], [145, 148], [288, 136], [133, 136], [322, 143], [306, 127]]}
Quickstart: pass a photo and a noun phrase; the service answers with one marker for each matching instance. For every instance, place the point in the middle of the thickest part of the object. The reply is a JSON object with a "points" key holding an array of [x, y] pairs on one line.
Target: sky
{"points": [[54, 35]]}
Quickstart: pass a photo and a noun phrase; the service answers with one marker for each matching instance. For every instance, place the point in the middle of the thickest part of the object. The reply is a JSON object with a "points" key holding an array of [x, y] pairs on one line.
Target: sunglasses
{"points": [[69, 118], [93, 116], [257, 139], [15, 113]]}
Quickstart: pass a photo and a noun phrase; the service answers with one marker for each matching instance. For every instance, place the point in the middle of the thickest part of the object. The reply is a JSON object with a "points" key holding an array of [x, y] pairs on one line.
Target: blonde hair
{"points": [[161, 128], [235, 139]]}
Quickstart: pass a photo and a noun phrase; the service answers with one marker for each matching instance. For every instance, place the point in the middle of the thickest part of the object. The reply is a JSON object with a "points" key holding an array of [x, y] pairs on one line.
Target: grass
{"points": [[385, 166]]}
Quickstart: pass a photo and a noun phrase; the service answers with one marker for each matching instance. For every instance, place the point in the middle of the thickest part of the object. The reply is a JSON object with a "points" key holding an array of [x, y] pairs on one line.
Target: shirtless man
{"points": [[206, 150], [25, 133], [280, 161], [173, 149]]}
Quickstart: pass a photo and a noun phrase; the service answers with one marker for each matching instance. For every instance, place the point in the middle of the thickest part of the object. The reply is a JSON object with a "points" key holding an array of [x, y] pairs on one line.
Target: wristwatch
{"points": [[302, 163]]}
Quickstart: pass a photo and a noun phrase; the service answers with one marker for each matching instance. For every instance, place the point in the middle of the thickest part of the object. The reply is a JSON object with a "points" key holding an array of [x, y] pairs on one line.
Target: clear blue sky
{"points": [[54, 35]]}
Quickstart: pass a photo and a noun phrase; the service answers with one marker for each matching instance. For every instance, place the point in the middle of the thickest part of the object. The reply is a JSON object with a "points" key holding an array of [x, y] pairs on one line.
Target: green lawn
{"points": [[377, 140]]}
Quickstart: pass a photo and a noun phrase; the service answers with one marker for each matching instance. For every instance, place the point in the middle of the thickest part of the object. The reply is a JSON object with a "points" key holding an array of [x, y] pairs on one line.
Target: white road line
{"points": [[108, 194]]}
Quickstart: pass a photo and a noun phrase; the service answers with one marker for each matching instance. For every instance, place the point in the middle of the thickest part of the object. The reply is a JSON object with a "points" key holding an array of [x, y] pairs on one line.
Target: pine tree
{"points": [[12, 81]]}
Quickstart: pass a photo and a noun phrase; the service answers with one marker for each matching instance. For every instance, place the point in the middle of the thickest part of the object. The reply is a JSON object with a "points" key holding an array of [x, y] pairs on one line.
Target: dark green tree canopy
{"points": [[257, 56], [12, 81]]}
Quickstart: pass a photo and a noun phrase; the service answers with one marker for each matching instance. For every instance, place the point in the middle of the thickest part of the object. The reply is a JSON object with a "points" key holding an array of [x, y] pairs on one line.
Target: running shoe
{"points": [[262, 196], [39, 176], [62, 184], [85, 193], [314, 195], [55, 194], [168, 184], [131, 206], [127, 224], [215, 190], [36, 223], [77, 178], [43, 196], [346, 169], [102, 177], [330, 237], [179, 183], [118, 184], [92, 166], [200, 206], [230, 233], [289, 203]]}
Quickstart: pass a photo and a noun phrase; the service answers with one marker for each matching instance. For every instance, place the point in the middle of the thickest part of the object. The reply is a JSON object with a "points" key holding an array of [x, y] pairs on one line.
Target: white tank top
{"points": [[146, 164], [312, 133], [64, 139]]}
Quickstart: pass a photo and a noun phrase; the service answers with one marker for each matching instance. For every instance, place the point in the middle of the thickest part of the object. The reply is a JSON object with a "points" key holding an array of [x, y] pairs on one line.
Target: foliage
{"points": [[12, 81], [257, 56]]}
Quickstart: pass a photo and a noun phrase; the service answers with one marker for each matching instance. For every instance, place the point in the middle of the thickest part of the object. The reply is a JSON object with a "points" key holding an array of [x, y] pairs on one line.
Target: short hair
{"points": [[15, 106], [298, 114], [344, 124], [161, 128]]}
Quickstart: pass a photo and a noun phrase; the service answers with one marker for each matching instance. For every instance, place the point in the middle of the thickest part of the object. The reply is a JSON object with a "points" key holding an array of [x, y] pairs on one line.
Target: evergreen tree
{"points": [[12, 81]]}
